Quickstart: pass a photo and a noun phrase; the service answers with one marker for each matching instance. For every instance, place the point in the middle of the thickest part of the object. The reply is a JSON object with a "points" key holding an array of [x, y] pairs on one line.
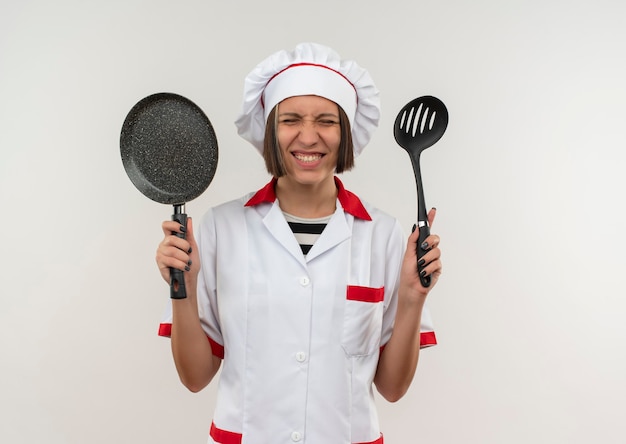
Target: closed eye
{"points": [[289, 121]]}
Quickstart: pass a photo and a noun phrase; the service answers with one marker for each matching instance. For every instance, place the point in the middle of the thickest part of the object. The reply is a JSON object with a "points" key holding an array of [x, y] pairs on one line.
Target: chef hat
{"points": [[310, 69]]}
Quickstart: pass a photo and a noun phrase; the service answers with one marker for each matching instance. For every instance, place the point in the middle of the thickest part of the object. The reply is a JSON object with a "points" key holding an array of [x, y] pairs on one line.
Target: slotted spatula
{"points": [[419, 125]]}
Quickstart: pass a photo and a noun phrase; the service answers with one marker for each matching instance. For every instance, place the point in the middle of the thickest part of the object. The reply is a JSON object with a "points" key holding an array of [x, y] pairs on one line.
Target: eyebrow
{"points": [[322, 115]]}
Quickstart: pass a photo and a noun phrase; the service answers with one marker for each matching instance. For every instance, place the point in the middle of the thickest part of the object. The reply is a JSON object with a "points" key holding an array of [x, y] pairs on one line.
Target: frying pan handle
{"points": [[424, 233], [177, 277]]}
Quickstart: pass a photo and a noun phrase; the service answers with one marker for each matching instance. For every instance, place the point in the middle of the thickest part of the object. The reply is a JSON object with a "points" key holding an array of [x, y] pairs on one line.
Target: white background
{"points": [[528, 181]]}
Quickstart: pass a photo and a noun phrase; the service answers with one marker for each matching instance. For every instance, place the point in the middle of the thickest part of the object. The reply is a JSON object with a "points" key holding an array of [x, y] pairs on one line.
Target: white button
{"points": [[300, 356], [296, 436], [304, 281]]}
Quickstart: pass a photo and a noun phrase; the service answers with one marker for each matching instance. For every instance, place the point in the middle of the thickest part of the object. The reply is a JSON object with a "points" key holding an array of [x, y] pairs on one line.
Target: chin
{"points": [[305, 177]]}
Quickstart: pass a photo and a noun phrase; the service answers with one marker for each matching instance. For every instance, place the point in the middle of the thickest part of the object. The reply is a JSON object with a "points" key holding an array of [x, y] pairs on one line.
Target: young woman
{"points": [[308, 295]]}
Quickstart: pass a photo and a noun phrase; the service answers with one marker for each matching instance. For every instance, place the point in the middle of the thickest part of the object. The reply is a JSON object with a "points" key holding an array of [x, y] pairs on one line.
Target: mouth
{"points": [[308, 157]]}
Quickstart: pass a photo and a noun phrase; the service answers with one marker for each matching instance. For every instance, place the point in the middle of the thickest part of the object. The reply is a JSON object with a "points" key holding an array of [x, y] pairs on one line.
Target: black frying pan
{"points": [[169, 151]]}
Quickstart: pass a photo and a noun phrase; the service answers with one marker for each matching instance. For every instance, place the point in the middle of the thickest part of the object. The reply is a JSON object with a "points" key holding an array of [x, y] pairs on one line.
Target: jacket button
{"points": [[304, 281], [300, 356], [296, 436]]}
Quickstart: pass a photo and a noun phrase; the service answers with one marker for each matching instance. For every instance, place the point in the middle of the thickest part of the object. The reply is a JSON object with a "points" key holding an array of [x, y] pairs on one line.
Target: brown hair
{"points": [[273, 156]]}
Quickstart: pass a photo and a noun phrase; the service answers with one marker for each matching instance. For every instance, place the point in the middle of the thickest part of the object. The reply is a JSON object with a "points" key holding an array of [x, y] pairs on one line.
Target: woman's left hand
{"points": [[398, 361], [409, 278]]}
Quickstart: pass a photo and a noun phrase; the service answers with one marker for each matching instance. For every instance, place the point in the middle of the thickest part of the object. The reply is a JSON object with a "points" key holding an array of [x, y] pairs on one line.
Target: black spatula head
{"points": [[420, 124]]}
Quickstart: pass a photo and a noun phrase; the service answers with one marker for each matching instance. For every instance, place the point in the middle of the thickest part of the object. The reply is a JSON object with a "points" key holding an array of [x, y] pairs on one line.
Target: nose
{"points": [[308, 134]]}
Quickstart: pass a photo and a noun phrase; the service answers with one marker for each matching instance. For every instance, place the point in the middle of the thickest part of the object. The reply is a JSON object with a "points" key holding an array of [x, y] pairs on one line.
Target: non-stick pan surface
{"points": [[169, 148]]}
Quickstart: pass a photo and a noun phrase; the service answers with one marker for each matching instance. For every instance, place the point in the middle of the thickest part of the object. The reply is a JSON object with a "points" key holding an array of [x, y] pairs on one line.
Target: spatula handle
{"points": [[424, 233], [422, 218], [177, 277]]}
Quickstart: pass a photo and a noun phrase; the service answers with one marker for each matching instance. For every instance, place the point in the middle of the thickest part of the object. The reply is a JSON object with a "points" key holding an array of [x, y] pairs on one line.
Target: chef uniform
{"points": [[300, 336]]}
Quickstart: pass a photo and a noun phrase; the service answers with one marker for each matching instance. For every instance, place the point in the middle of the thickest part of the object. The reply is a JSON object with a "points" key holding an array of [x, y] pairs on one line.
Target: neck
{"points": [[307, 200]]}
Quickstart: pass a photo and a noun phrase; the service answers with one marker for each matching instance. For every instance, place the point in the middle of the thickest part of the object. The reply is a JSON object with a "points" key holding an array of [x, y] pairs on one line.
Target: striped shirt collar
{"points": [[348, 200]]}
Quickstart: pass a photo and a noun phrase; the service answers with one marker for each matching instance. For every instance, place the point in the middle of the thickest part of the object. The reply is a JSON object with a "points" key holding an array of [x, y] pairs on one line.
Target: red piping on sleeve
{"points": [[427, 339], [165, 330], [224, 436], [378, 441]]}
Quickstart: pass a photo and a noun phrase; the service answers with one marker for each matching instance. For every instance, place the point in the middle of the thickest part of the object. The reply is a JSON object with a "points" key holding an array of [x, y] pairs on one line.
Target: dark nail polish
{"points": [[421, 262], [183, 229], [189, 251], [423, 273], [414, 227], [187, 268], [189, 262], [424, 245]]}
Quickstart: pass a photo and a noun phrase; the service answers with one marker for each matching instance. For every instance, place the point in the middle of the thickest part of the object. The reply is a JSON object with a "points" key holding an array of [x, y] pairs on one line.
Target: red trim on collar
{"points": [[264, 195], [349, 201]]}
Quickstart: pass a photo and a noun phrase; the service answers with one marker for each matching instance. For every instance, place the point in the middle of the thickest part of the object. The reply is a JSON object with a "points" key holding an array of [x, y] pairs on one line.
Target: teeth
{"points": [[308, 157]]}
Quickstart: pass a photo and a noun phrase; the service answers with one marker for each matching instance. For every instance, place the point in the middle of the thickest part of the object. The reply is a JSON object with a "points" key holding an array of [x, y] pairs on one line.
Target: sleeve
{"points": [[395, 253], [207, 295]]}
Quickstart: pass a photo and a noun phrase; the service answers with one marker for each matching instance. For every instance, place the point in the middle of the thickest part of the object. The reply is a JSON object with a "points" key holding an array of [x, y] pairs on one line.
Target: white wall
{"points": [[528, 181]]}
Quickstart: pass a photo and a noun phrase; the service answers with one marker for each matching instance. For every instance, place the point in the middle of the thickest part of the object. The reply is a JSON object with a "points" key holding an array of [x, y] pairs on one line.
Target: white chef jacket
{"points": [[300, 336]]}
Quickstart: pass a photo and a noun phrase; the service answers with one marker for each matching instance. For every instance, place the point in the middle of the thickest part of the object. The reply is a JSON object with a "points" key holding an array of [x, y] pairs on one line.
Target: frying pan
{"points": [[419, 125], [169, 151]]}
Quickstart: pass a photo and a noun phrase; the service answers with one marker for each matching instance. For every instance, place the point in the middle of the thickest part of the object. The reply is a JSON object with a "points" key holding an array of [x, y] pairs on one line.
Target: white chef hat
{"points": [[310, 69]]}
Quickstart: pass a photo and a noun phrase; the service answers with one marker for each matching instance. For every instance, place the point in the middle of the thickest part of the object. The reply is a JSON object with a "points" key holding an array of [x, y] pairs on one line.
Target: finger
{"points": [[170, 256], [172, 227], [177, 242], [431, 261], [433, 269], [194, 251], [174, 247], [168, 263], [432, 255], [412, 242], [432, 241], [431, 216], [190, 236], [415, 233]]}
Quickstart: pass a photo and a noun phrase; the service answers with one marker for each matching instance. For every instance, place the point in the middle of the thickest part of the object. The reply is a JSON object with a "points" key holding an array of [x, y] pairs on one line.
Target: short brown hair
{"points": [[273, 156]]}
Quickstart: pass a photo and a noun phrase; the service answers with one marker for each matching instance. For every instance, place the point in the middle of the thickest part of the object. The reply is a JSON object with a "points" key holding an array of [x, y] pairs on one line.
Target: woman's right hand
{"points": [[179, 253], [195, 362]]}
